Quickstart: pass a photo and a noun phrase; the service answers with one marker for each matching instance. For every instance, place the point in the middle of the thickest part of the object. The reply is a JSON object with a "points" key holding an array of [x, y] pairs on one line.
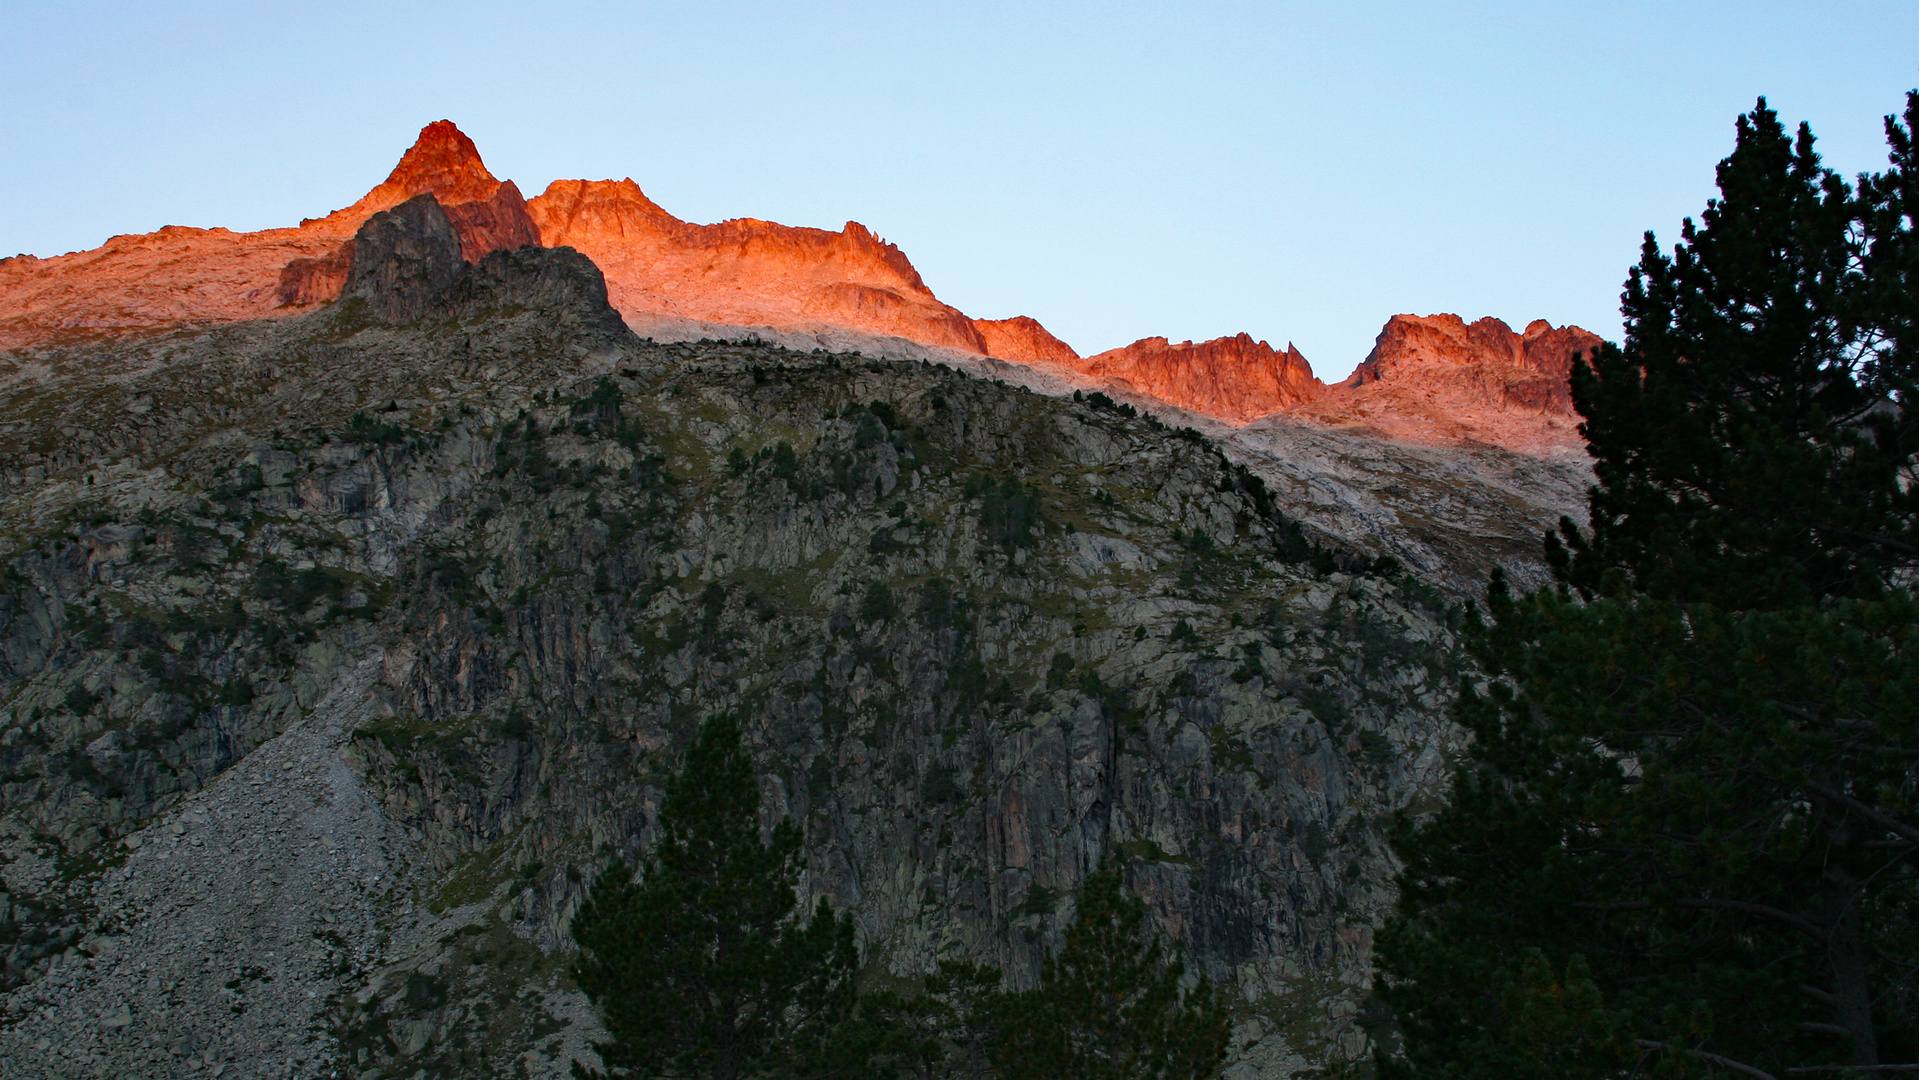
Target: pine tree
{"points": [[941, 1032], [1709, 811], [703, 967], [1109, 1005], [1751, 437], [1686, 839]]}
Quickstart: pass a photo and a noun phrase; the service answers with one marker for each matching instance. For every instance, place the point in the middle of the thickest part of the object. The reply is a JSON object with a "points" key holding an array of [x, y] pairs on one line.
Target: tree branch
{"points": [[1864, 810], [1818, 995], [1874, 537], [1806, 1069], [1805, 926], [1724, 1062], [1811, 717]]}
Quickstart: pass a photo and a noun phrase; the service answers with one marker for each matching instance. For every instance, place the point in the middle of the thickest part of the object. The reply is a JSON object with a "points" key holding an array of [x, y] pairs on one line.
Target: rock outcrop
{"points": [[481, 213], [561, 284], [404, 260], [406, 264], [745, 271], [188, 276], [1437, 379], [1527, 370], [1235, 379], [1023, 340]]}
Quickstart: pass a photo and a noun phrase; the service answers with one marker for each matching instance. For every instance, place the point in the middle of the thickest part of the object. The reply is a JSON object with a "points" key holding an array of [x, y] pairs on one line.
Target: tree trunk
{"points": [[1851, 985]]}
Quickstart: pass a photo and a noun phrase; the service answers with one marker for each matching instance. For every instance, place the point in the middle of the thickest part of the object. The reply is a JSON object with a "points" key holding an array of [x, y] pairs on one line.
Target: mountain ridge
{"points": [[746, 272]]}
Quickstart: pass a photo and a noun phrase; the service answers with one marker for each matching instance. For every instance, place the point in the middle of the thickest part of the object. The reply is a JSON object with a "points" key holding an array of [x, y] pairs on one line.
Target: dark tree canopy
{"points": [[1109, 1006], [1700, 814], [1685, 841], [704, 967], [1754, 436]]}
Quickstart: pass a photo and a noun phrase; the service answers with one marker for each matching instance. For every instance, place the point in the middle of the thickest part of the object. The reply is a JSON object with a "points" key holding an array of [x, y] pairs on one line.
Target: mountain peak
{"points": [[443, 163], [1442, 341], [1237, 379]]}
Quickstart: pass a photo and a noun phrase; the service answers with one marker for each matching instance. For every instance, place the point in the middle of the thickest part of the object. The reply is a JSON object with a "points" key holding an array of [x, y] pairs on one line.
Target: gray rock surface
{"points": [[404, 260], [336, 657]]}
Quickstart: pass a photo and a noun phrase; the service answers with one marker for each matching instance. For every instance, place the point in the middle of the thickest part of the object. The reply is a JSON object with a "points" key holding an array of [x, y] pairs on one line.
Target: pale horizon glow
{"points": [[1116, 171]]}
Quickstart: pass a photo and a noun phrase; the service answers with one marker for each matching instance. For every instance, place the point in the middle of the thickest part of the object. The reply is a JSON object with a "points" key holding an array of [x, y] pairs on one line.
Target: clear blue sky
{"points": [[1299, 172]]}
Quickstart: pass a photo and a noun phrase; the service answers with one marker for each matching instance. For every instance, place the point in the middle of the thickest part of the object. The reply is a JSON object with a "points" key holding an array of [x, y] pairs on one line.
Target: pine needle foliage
{"points": [[1109, 1005], [1704, 811], [1685, 841], [705, 966], [1753, 438]]}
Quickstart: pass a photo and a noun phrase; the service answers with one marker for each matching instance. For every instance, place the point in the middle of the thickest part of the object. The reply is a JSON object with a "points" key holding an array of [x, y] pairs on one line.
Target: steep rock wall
{"points": [[979, 638]]}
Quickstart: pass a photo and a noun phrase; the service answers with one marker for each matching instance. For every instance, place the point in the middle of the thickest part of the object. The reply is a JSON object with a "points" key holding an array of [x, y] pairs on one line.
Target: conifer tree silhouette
{"points": [[1685, 840], [704, 967]]}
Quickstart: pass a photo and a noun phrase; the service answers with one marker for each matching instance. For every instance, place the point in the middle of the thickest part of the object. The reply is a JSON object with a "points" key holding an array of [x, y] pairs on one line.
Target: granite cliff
{"points": [[339, 650]]}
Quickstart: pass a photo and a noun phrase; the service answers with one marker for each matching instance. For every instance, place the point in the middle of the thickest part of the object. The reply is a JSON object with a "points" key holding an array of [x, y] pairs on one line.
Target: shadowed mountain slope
{"points": [[340, 651]]}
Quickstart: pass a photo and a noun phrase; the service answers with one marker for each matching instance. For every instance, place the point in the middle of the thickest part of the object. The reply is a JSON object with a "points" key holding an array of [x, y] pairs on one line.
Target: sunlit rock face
{"points": [[1437, 379], [1428, 379], [485, 213], [1528, 370], [741, 272], [442, 163], [1024, 340], [181, 275], [305, 282], [497, 223], [744, 272], [1236, 379]]}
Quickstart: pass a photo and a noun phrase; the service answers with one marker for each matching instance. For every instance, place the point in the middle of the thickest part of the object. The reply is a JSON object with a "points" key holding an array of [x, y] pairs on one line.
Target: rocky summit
{"points": [[1439, 380], [1234, 379]]}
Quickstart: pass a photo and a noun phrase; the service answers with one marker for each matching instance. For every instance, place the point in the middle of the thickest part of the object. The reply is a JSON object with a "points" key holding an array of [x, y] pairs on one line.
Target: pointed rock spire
{"points": [[443, 163]]}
